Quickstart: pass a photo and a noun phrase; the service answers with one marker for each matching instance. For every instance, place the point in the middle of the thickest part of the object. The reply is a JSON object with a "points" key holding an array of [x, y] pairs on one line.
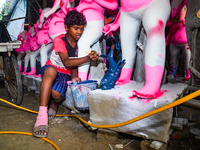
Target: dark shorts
{"points": [[60, 84]]}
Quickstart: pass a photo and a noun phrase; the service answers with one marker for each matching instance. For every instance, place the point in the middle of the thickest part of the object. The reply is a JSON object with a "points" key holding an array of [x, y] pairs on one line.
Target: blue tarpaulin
{"points": [[17, 26]]}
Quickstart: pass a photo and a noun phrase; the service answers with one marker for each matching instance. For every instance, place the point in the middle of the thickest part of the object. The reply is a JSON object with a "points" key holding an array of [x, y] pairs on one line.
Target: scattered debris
{"points": [[105, 135], [128, 143], [90, 127], [110, 147], [183, 134], [119, 146], [176, 126], [156, 145], [182, 121], [177, 123], [197, 137], [58, 120], [195, 131]]}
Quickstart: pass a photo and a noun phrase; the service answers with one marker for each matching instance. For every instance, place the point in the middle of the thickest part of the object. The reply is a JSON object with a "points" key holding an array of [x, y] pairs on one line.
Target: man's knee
{"points": [[56, 96], [50, 71]]}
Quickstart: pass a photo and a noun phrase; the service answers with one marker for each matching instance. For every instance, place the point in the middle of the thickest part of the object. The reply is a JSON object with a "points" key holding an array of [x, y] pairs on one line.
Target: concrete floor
{"points": [[68, 133]]}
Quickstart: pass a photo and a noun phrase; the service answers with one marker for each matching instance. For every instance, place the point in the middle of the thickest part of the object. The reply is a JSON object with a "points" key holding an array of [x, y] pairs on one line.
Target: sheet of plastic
{"points": [[17, 26]]}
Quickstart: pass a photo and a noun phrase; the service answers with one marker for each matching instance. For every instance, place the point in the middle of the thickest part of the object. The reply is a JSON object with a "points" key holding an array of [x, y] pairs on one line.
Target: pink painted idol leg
{"points": [[154, 19], [187, 53], [33, 62], [125, 76], [94, 14], [19, 60], [26, 61], [85, 42], [32, 72], [153, 77], [129, 28]]}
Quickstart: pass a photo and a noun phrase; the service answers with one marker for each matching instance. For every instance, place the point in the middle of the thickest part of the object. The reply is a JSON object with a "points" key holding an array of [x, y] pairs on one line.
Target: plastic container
{"points": [[80, 93]]}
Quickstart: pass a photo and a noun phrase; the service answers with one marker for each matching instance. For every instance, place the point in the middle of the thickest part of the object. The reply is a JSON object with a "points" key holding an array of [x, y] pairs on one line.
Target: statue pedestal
{"points": [[114, 106]]}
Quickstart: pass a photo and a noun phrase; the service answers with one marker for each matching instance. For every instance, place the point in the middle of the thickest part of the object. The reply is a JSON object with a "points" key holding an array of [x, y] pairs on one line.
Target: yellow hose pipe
{"points": [[26, 133], [198, 14], [163, 108]]}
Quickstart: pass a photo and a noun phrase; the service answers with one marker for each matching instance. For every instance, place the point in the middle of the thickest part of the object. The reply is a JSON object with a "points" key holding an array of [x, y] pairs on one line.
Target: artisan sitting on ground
{"points": [[58, 70]]}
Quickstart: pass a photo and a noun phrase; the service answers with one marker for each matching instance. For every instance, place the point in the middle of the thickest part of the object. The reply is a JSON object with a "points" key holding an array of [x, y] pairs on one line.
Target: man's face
{"points": [[75, 31]]}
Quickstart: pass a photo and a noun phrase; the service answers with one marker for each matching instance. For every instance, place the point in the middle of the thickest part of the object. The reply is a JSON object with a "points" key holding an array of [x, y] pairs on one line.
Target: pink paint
{"points": [[20, 49], [89, 75], [37, 76], [157, 30], [177, 34], [33, 44], [146, 101], [89, 11], [160, 55], [57, 4], [117, 97], [56, 25], [112, 26], [130, 5], [20, 67], [125, 76], [149, 100], [187, 74], [32, 72], [23, 36], [132, 98], [151, 88], [164, 91], [63, 5], [24, 71], [94, 10], [188, 48], [43, 37], [176, 10], [82, 75], [68, 82], [81, 87], [26, 46]]}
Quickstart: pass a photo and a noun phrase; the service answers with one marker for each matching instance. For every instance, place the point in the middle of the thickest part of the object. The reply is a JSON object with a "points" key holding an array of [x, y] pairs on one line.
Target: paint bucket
{"points": [[80, 93]]}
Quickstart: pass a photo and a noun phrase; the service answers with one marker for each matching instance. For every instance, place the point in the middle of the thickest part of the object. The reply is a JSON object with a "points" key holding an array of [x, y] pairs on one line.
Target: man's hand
{"points": [[93, 55], [76, 79]]}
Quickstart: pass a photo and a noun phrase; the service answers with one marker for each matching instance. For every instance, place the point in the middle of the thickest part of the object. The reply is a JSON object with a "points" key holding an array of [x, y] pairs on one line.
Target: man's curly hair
{"points": [[74, 17]]}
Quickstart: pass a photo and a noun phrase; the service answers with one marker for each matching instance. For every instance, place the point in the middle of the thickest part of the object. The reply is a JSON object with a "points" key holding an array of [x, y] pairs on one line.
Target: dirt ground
{"points": [[66, 132]]}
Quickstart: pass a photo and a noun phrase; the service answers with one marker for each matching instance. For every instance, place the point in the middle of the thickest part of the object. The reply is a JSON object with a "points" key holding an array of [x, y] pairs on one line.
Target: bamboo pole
{"points": [[15, 19], [195, 72]]}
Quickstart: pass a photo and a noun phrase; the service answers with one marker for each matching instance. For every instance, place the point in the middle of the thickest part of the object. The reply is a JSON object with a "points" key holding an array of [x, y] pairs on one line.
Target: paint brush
{"points": [[100, 55]]}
